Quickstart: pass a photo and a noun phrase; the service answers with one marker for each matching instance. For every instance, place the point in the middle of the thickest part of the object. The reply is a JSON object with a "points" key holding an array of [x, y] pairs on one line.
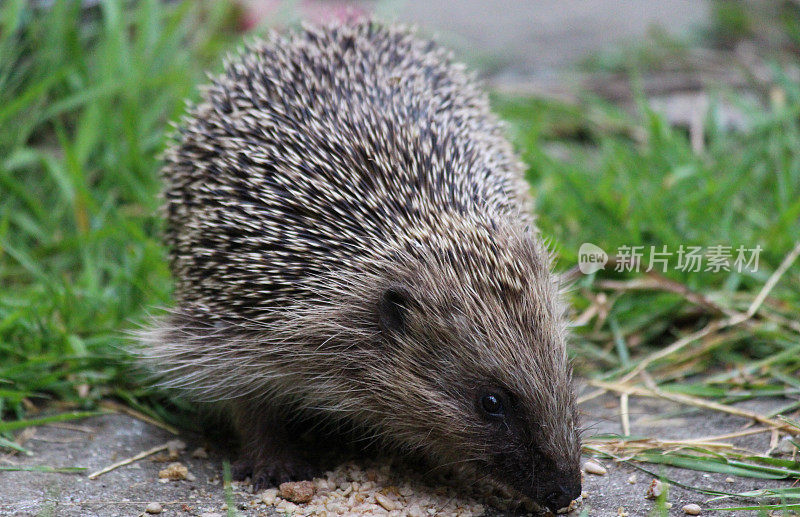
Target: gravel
{"points": [[154, 508], [354, 490]]}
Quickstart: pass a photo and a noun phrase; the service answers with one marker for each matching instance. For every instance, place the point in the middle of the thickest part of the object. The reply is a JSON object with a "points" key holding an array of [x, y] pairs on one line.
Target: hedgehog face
{"points": [[488, 365], [523, 454]]}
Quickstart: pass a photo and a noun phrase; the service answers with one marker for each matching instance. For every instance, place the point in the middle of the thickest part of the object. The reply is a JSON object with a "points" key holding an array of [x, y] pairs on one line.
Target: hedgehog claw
{"points": [[272, 470]]}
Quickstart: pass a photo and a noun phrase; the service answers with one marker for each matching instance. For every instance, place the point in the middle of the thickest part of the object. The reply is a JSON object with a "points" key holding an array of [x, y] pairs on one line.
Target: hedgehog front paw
{"points": [[279, 471], [269, 472], [242, 469]]}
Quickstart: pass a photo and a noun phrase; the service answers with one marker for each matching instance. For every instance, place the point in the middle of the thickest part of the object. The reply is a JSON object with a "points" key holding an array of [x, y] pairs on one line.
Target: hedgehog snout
{"points": [[554, 488], [560, 494]]}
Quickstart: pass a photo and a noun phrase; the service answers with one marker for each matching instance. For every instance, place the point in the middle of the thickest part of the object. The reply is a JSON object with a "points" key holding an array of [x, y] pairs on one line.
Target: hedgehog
{"points": [[352, 243]]}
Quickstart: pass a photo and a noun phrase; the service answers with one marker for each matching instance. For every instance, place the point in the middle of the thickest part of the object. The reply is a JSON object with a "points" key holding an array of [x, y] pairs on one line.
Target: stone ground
{"points": [[97, 442], [519, 42]]}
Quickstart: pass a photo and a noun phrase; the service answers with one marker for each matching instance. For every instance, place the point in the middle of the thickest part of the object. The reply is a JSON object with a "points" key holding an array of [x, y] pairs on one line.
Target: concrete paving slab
{"points": [[126, 491]]}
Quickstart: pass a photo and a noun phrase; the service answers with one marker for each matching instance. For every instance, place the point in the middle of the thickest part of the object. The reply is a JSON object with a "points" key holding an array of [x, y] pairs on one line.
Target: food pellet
{"points": [[595, 468], [298, 492], [384, 501], [269, 496], [174, 471], [654, 490]]}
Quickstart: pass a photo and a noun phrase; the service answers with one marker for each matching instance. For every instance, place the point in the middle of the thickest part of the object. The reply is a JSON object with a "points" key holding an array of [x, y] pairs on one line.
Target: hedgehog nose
{"points": [[560, 498]]}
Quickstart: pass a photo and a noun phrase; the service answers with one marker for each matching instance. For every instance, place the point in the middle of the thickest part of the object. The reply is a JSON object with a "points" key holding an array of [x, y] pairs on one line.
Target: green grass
{"points": [[613, 191], [85, 101]]}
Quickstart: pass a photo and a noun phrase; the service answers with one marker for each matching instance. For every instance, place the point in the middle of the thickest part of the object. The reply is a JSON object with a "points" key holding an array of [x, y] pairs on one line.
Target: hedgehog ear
{"points": [[393, 309]]}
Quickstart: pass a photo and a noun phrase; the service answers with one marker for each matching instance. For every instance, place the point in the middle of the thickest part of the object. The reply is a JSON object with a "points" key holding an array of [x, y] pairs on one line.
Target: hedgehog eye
{"points": [[393, 308], [492, 404]]}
